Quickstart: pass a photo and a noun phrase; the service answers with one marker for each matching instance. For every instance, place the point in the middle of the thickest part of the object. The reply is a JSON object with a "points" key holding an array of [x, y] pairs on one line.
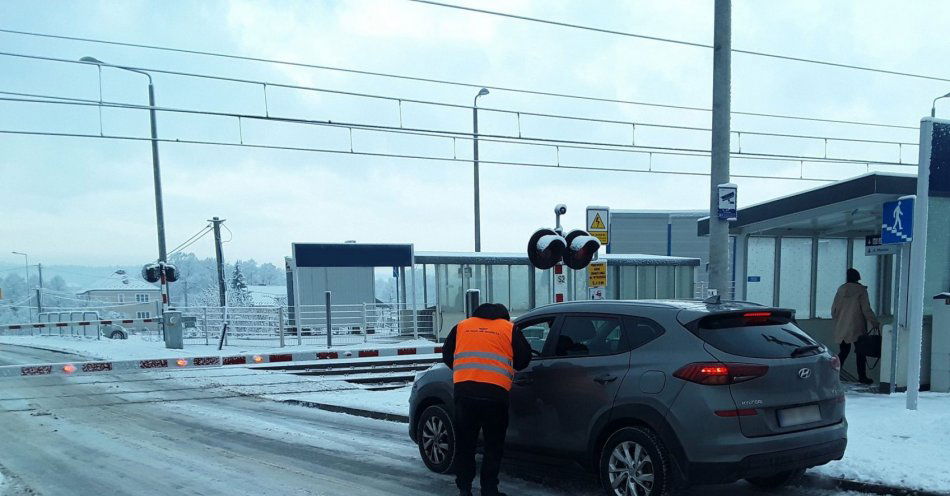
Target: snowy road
{"points": [[160, 436]]}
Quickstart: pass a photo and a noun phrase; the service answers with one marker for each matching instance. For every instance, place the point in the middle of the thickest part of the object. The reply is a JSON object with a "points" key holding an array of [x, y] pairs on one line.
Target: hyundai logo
{"points": [[804, 373]]}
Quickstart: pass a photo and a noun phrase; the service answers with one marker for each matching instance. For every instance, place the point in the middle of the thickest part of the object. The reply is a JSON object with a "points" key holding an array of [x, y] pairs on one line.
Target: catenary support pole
{"points": [[719, 167], [918, 265]]}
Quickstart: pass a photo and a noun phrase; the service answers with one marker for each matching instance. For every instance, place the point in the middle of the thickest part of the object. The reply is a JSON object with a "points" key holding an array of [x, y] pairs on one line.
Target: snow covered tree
{"points": [[239, 295]]}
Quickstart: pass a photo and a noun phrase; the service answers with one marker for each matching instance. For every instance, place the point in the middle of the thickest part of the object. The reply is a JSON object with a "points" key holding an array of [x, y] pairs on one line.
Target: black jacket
{"points": [[483, 390]]}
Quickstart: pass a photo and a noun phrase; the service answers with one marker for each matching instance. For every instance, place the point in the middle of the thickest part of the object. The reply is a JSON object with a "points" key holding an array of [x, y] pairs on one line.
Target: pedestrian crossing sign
{"points": [[897, 225]]}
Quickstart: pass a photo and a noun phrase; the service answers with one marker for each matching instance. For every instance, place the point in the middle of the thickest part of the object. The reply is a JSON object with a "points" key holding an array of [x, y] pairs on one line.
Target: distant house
{"points": [[122, 296], [268, 295]]}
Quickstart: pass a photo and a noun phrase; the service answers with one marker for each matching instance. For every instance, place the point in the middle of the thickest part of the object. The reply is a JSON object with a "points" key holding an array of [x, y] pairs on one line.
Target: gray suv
{"points": [[657, 395]]}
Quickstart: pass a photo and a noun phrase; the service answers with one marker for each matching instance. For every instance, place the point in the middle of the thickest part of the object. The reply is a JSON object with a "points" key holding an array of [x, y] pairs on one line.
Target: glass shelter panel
{"points": [[646, 282], [664, 282], [684, 282], [761, 270], [795, 280], [832, 263], [628, 282], [520, 301], [499, 284]]}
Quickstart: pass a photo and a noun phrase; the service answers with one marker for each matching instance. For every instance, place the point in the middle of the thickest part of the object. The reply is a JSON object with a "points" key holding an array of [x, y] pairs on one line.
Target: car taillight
{"points": [[835, 363], [720, 374]]}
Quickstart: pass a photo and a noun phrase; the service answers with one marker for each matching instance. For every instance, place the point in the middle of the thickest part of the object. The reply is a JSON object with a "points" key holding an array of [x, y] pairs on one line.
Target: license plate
{"points": [[799, 415]]}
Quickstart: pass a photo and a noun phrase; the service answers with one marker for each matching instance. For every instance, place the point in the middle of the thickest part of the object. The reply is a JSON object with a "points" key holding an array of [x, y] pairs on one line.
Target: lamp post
{"points": [[478, 214], [156, 169], [26, 270], [933, 108], [156, 172]]}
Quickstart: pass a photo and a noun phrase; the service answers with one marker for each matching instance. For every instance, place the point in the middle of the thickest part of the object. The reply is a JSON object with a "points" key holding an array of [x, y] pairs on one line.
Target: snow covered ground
{"points": [[890, 445], [394, 401], [136, 348]]}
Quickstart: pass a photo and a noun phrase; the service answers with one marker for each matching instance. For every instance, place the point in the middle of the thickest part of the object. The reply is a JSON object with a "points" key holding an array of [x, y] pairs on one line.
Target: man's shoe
{"points": [[866, 380], [465, 492], [493, 492]]}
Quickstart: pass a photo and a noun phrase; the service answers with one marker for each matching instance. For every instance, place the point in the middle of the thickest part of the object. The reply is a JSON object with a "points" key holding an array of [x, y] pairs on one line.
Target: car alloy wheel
{"points": [[630, 470], [435, 440]]}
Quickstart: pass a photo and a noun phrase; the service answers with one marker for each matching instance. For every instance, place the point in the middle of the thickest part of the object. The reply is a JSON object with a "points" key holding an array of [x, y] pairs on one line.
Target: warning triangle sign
{"points": [[597, 223]]}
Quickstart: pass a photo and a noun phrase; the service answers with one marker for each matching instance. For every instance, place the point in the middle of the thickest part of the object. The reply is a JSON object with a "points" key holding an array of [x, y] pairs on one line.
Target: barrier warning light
{"points": [[258, 359], [181, 362], [69, 368]]}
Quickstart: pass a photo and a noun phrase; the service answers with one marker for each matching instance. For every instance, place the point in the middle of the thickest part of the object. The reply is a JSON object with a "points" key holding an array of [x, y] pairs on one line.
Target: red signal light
{"points": [[720, 374]]}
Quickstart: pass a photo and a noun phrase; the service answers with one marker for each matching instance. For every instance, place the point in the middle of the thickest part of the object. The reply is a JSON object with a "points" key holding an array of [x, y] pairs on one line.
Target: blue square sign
{"points": [[898, 222]]}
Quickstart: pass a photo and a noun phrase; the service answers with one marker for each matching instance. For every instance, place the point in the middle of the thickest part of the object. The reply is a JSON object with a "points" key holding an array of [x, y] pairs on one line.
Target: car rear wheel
{"points": [[117, 335], [634, 462], [436, 434], [778, 480]]}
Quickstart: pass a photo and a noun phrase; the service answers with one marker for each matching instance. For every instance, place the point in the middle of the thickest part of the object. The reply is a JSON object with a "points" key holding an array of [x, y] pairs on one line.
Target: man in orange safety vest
{"points": [[484, 352]]}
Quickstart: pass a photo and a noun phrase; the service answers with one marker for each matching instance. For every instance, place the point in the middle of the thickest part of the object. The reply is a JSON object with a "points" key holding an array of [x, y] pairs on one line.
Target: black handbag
{"points": [[869, 344]]}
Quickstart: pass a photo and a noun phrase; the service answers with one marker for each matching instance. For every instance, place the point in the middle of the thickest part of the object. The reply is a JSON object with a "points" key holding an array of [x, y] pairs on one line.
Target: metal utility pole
{"points": [[219, 257], [39, 290], [719, 170], [478, 213]]}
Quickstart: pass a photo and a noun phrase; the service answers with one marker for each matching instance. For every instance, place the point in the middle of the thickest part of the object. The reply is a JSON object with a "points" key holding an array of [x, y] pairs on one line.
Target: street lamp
{"points": [[26, 269], [156, 169], [933, 108], [478, 214]]}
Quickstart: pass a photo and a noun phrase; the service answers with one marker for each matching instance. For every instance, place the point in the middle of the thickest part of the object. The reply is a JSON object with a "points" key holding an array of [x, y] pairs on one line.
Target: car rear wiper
{"points": [[804, 350]]}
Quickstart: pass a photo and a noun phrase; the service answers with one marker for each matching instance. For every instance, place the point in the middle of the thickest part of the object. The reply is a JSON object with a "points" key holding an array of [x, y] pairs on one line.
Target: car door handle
{"points": [[523, 381], [605, 378]]}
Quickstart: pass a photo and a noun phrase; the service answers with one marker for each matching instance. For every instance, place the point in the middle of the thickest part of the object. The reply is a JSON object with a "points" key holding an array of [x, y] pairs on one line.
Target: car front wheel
{"points": [[435, 432], [634, 462]]}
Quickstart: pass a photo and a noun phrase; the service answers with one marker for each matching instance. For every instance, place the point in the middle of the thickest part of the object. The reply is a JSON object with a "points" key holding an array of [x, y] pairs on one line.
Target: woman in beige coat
{"points": [[853, 317]]}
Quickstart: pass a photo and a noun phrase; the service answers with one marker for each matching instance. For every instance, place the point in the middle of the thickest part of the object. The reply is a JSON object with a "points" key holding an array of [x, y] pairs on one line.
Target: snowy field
{"points": [[136, 348]]}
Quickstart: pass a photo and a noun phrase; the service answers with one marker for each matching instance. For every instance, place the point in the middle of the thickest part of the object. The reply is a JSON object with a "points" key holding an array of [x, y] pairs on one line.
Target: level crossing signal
{"points": [[547, 248], [153, 272]]}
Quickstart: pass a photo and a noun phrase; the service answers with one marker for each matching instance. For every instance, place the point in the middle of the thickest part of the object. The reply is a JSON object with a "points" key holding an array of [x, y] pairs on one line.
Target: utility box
{"points": [[940, 344], [174, 330]]}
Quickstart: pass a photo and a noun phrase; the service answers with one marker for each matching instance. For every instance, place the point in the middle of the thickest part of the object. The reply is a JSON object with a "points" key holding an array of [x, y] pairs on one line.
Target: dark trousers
{"points": [[491, 417], [844, 349]]}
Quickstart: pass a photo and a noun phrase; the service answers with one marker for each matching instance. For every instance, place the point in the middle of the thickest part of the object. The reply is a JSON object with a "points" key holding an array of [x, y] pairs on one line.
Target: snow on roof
{"points": [[120, 281], [268, 295], [448, 257]]}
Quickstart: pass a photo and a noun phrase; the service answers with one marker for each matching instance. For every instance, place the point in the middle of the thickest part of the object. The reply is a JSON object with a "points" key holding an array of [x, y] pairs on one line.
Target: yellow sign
{"points": [[597, 275], [597, 223]]}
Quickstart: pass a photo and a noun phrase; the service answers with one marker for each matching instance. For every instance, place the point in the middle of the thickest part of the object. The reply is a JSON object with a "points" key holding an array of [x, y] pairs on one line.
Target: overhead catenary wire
{"points": [[416, 157], [681, 42], [401, 100], [532, 141], [554, 94]]}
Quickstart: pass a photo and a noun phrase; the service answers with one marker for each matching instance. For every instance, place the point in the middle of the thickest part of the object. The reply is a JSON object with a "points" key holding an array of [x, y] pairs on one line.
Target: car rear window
{"points": [[759, 334]]}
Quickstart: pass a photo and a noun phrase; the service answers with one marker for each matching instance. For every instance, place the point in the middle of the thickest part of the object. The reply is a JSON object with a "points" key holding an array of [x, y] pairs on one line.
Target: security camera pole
{"points": [[719, 169]]}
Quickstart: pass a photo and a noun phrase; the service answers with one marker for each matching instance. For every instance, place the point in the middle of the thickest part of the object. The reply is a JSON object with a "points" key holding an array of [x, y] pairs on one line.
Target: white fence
{"points": [[281, 326]]}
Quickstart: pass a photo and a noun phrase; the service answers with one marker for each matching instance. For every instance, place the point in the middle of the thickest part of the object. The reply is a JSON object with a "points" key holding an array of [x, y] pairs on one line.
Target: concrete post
{"points": [[719, 169]]}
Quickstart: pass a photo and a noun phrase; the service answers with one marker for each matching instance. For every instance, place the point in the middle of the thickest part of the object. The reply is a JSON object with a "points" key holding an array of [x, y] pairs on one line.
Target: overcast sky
{"points": [[90, 201]]}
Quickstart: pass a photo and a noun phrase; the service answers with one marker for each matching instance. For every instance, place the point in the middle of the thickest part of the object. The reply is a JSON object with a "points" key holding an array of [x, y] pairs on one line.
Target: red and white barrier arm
{"points": [[100, 367], [42, 325]]}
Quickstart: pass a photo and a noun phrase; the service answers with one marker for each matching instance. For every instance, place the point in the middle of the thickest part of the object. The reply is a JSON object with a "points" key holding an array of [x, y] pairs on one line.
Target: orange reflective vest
{"points": [[483, 352]]}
